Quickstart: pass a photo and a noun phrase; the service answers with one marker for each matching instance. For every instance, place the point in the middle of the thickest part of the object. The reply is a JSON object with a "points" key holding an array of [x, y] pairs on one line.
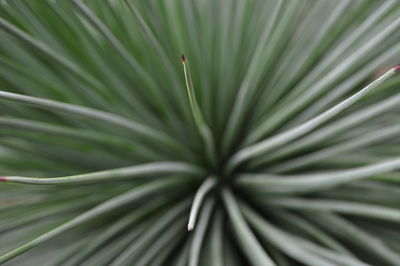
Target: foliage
{"points": [[276, 134]]}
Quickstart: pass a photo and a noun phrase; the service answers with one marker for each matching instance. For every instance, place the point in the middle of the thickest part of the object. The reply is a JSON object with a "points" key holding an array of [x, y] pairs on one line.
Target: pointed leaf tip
{"points": [[397, 68], [183, 58]]}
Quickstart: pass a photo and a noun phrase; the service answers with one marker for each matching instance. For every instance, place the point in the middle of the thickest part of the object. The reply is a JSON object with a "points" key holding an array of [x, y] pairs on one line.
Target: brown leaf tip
{"points": [[397, 68], [3, 179], [183, 58]]}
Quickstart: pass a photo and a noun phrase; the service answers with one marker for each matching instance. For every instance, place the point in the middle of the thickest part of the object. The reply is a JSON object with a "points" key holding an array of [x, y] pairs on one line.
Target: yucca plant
{"points": [[274, 139]]}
